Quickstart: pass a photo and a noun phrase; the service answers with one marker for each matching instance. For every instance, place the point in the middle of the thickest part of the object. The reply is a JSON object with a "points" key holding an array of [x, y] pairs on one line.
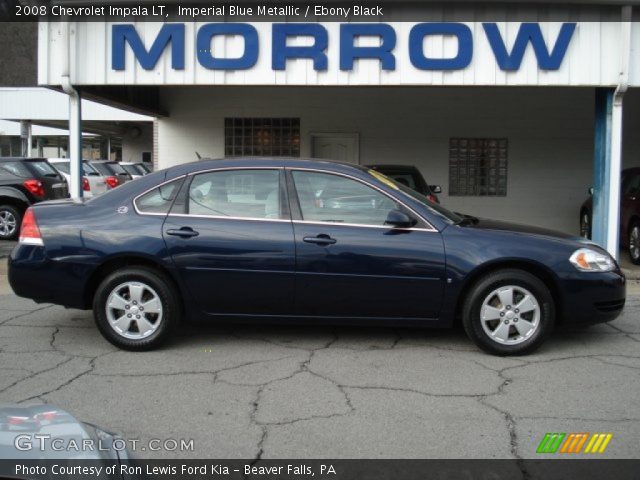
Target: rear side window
{"points": [[117, 168], [89, 170], [242, 193], [16, 168], [159, 199]]}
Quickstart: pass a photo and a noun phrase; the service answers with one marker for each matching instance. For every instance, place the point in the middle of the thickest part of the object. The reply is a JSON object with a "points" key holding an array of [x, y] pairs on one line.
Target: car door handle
{"points": [[184, 232], [321, 239]]}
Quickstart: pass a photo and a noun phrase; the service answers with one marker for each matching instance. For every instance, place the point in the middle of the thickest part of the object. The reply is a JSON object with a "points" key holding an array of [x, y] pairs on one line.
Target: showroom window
{"points": [[478, 167], [255, 137]]}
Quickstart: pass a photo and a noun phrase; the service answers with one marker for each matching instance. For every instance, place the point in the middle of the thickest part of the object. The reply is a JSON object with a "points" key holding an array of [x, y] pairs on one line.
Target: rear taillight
{"points": [[29, 231], [112, 182], [35, 187], [14, 420], [433, 198], [85, 184]]}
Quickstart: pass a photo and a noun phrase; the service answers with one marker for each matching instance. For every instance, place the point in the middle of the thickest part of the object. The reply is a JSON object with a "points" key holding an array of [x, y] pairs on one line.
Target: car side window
{"points": [[159, 199], [332, 198], [241, 193]]}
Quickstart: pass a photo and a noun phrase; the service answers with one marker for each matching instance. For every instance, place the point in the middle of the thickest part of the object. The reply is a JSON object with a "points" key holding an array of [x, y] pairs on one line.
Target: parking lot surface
{"points": [[323, 392]]}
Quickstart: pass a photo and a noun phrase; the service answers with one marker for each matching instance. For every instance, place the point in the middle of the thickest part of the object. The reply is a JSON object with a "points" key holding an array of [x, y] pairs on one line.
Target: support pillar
{"points": [[25, 138]]}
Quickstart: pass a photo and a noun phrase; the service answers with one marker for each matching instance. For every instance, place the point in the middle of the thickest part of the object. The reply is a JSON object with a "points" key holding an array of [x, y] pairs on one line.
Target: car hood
{"points": [[497, 225]]}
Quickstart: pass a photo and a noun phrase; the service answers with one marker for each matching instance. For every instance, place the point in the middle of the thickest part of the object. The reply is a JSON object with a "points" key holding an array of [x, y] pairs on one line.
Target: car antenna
{"points": [[199, 156]]}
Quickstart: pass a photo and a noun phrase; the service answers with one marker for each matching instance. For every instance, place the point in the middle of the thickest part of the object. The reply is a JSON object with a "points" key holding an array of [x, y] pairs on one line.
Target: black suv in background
{"points": [[411, 177], [23, 182]]}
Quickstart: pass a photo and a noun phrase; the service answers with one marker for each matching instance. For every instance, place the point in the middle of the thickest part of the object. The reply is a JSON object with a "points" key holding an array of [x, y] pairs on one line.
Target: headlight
{"points": [[587, 260]]}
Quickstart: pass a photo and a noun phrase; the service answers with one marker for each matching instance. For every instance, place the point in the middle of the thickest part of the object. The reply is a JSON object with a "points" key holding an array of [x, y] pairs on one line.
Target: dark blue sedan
{"points": [[304, 241]]}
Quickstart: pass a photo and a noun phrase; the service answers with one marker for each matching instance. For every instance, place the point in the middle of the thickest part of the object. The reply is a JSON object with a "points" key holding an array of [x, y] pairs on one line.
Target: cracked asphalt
{"points": [[260, 391]]}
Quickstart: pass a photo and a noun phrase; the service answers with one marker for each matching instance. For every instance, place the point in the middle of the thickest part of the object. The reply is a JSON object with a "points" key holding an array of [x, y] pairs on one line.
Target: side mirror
{"points": [[435, 188], [399, 219], [591, 191]]}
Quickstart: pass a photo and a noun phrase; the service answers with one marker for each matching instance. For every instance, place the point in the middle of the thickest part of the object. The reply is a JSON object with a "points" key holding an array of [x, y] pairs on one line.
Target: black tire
{"points": [[634, 242], [8, 212], [158, 286], [473, 304], [585, 224]]}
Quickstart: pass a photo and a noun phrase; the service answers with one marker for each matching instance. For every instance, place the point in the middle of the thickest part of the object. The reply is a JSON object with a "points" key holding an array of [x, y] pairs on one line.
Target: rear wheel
{"points": [[10, 218], [136, 308], [508, 312], [634, 242]]}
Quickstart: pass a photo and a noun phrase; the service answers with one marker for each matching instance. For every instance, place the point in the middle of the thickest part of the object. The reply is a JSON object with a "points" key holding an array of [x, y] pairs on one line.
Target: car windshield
{"points": [[436, 208], [116, 167], [89, 170], [43, 168], [64, 167], [102, 168], [134, 169]]}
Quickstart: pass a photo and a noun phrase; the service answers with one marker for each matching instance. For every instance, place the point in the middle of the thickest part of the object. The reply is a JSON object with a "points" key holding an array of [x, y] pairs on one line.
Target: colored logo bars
{"points": [[573, 443]]}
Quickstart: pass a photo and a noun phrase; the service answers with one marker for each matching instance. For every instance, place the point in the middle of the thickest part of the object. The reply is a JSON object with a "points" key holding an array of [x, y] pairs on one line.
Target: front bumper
{"points": [[592, 297]]}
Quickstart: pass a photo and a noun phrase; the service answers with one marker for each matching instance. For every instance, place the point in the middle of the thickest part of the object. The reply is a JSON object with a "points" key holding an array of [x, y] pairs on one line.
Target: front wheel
{"points": [[508, 312], [136, 308], [634, 243]]}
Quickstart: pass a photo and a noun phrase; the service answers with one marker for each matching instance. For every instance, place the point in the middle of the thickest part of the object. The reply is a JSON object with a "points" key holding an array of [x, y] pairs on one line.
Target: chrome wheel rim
{"points": [[634, 243], [510, 315], [134, 310], [8, 223], [584, 226]]}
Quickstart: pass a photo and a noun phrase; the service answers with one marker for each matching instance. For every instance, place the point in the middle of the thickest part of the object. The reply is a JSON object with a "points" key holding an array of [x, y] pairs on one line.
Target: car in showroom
{"points": [[278, 240], [23, 182], [629, 214], [411, 177]]}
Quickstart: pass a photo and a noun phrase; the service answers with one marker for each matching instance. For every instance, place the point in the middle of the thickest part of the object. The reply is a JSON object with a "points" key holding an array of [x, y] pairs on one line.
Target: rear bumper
{"points": [[35, 276], [592, 297]]}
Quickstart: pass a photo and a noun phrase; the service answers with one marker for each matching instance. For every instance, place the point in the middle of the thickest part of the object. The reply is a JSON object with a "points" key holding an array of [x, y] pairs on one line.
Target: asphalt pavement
{"points": [[323, 392]]}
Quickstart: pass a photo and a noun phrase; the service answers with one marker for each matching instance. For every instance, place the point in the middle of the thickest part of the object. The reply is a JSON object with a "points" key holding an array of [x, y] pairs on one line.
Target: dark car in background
{"points": [[111, 169], [271, 240], [23, 182], [629, 214], [411, 177]]}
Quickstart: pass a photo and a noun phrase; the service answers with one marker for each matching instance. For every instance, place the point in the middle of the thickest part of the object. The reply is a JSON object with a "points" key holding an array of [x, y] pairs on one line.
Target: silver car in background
{"points": [[93, 183], [135, 169]]}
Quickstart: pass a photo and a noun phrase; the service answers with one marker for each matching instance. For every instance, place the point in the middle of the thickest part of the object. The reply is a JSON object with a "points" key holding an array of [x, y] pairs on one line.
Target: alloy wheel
{"points": [[134, 310], [510, 315], [8, 223]]}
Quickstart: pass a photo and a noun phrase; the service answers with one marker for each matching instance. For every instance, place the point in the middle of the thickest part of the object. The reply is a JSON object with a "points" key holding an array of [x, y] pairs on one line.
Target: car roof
{"points": [[263, 162], [22, 159]]}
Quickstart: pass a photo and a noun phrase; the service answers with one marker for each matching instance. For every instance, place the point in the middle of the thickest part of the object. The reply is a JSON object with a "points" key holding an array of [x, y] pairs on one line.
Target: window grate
{"points": [[278, 137], [478, 167]]}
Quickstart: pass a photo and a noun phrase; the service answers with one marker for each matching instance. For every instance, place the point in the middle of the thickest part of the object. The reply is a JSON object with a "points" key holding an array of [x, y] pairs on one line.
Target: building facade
{"points": [[516, 114]]}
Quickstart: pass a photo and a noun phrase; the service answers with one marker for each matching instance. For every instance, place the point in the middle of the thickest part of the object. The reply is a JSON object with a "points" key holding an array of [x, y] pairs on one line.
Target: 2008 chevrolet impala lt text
{"points": [[290, 240]]}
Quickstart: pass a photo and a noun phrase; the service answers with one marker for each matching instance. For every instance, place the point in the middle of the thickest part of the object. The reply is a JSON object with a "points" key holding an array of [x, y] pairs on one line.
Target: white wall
{"points": [[132, 147], [550, 134]]}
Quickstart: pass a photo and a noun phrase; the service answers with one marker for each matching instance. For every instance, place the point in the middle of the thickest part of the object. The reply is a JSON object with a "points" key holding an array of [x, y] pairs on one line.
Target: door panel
{"points": [[231, 239], [369, 272], [349, 264]]}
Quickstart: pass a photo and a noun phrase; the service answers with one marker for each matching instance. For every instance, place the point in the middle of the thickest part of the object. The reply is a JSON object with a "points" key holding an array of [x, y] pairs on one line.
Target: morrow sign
{"points": [[171, 37]]}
